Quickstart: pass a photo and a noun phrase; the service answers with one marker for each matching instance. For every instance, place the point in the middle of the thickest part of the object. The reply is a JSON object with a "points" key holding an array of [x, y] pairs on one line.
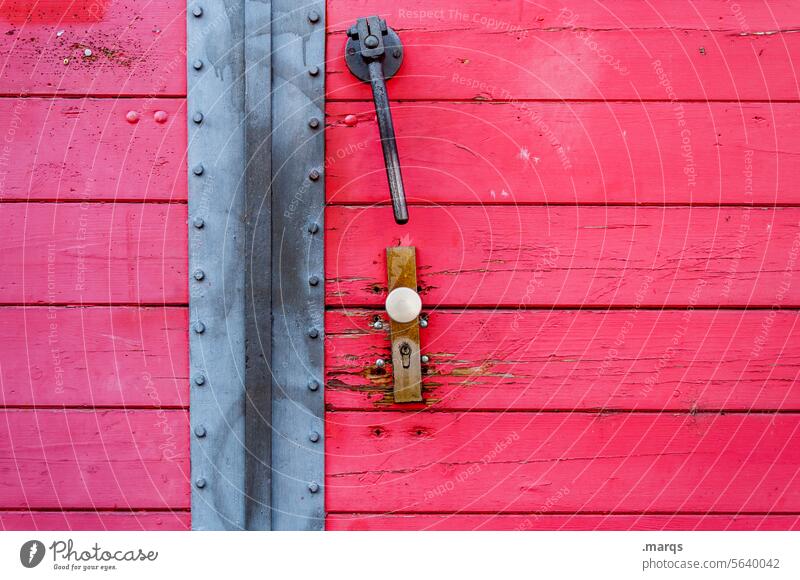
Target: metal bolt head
{"points": [[199, 222], [132, 117], [313, 332], [200, 431], [313, 16], [313, 487], [197, 117], [313, 228], [199, 327], [197, 11], [198, 64], [313, 436], [199, 274], [423, 323], [313, 385], [371, 41], [425, 359], [200, 483], [87, 52], [377, 325], [199, 379], [313, 175], [313, 122], [160, 116], [313, 280], [380, 363], [313, 71], [198, 169]]}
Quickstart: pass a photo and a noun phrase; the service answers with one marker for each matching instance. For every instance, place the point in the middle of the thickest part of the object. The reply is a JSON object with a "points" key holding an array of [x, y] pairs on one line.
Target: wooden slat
{"points": [[650, 153], [95, 521], [95, 460], [478, 63], [510, 19], [528, 462], [94, 356], [137, 48], [523, 360], [93, 253], [540, 256], [68, 149], [551, 522]]}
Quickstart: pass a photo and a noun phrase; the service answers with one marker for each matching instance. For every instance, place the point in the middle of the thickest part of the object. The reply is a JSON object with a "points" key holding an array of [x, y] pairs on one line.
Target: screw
{"points": [[371, 41], [313, 175], [200, 483], [313, 436], [160, 116], [199, 222], [197, 117], [198, 64], [197, 11], [313, 122], [313, 280], [313, 228], [425, 359], [200, 431], [199, 380], [132, 117], [87, 52], [380, 363], [313, 332], [199, 327], [313, 385], [377, 325], [313, 17], [351, 51], [198, 169], [313, 487], [199, 274], [313, 71], [396, 53], [423, 322]]}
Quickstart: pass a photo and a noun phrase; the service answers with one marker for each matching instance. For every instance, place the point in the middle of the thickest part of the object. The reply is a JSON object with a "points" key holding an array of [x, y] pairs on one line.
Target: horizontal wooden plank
{"points": [[568, 359], [68, 149], [94, 356], [572, 63], [546, 522], [517, 18], [566, 462], [95, 521], [93, 253], [654, 153], [91, 47], [586, 256], [94, 459]]}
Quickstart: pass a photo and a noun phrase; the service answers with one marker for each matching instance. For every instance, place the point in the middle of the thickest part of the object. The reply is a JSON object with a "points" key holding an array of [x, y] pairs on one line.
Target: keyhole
{"points": [[405, 354]]}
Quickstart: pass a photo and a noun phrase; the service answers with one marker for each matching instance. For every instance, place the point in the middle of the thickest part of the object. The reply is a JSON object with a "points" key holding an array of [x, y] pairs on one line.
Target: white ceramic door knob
{"points": [[403, 304]]}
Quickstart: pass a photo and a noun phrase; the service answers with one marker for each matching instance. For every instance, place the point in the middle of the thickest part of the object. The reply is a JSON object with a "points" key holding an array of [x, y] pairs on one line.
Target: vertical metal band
{"points": [[298, 153], [215, 58]]}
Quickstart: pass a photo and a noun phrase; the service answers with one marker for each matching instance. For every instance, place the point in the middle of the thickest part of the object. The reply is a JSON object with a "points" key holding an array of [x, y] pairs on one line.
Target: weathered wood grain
{"points": [[94, 356], [93, 47], [95, 521], [567, 359], [645, 153], [587, 256], [550, 522], [530, 462], [68, 149], [94, 459], [93, 253]]}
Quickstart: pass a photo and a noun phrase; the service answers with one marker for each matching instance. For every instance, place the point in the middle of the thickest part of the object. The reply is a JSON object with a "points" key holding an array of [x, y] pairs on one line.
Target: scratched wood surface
{"points": [[566, 359], [101, 459], [471, 153], [95, 520]]}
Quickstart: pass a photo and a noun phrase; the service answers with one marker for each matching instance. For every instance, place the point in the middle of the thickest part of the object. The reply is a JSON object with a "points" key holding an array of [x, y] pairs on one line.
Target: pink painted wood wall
{"points": [[93, 346], [607, 224]]}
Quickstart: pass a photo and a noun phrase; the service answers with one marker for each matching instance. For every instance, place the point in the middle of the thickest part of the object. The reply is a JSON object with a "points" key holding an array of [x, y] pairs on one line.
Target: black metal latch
{"points": [[374, 53]]}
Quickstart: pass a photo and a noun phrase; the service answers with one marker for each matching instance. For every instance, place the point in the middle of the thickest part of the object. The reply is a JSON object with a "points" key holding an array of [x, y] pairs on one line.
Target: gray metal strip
{"points": [[215, 56], [298, 153]]}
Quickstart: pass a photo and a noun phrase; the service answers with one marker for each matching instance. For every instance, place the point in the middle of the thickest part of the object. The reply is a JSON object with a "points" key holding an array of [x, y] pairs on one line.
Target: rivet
{"points": [[313, 71], [199, 327], [313, 280], [60, 33], [198, 169], [351, 120], [313, 175], [198, 64], [313, 332], [197, 117], [160, 116], [313, 16], [313, 228], [199, 222], [377, 325], [313, 436], [371, 41], [197, 11], [200, 482], [425, 359], [351, 51], [199, 379], [132, 117], [423, 322], [200, 431], [313, 122], [313, 385], [380, 363], [87, 52], [313, 487], [199, 274]]}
